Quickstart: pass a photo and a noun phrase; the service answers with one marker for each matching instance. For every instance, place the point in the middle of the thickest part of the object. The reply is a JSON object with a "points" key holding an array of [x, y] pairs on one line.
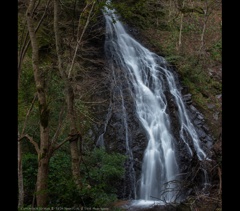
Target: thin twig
{"points": [[57, 133], [80, 39], [28, 113], [23, 51]]}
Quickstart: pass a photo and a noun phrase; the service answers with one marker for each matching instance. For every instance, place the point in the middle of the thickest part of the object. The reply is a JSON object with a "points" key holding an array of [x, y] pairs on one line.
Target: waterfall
{"points": [[148, 78], [100, 141]]}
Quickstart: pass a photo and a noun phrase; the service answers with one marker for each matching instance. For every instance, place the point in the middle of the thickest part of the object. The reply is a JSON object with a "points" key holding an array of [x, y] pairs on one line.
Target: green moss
{"points": [[141, 13], [216, 51]]}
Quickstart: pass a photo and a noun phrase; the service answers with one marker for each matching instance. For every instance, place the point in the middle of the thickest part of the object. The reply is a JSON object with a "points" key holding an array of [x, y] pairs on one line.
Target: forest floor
{"points": [[198, 204]]}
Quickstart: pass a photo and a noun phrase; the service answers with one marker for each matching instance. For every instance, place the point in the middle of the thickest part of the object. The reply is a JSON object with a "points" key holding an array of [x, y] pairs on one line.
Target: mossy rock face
{"points": [[142, 14]]}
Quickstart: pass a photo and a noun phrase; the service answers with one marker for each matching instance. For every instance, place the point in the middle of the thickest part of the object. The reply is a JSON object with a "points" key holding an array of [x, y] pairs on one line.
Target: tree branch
{"points": [[22, 52], [80, 39], [56, 135], [31, 141], [62, 143], [24, 49], [71, 137], [28, 113], [99, 102]]}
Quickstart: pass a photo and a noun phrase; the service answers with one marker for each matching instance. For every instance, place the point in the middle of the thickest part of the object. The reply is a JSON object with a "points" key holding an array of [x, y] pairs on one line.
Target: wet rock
{"points": [[205, 128], [210, 106], [201, 133], [193, 108], [197, 122], [200, 116], [209, 144], [184, 90], [209, 139], [136, 149], [187, 98], [215, 116]]}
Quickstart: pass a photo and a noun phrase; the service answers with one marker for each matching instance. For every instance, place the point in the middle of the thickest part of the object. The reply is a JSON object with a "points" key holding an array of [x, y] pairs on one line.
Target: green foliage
{"points": [[83, 110], [29, 166], [54, 92], [216, 51], [26, 94], [108, 166], [62, 190], [140, 13], [27, 84], [198, 81], [173, 58], [101, 172], [61, 187]]}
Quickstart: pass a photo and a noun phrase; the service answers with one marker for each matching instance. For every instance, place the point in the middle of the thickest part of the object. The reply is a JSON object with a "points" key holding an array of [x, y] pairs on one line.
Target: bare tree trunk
{"points": [[73, 143], [42, 177], [26, 42], [170, 11], [203, 30], [210, 5], [43, 161], [43, 166], [180, 31], [20, 177], [220, 180], [69, 100]]}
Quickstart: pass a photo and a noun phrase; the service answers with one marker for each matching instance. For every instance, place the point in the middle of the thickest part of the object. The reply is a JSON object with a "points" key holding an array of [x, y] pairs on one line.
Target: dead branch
{"points": [[99, 102], [80, 39], [24, 49], [80, 18], [181, 27], [90, 118], [28, 113], [57, 133], [22, 52]]}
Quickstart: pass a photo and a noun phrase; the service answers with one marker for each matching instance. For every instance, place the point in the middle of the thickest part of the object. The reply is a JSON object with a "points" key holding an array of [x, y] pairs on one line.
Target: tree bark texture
{"points": [[43, 156], [69, 96], [20, 177], [181, 27], [42, 177]]}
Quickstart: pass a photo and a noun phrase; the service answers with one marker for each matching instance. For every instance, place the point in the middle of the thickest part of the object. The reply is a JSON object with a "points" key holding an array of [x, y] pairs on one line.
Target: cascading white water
{"points": [[128, 153], [148, 76]]}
